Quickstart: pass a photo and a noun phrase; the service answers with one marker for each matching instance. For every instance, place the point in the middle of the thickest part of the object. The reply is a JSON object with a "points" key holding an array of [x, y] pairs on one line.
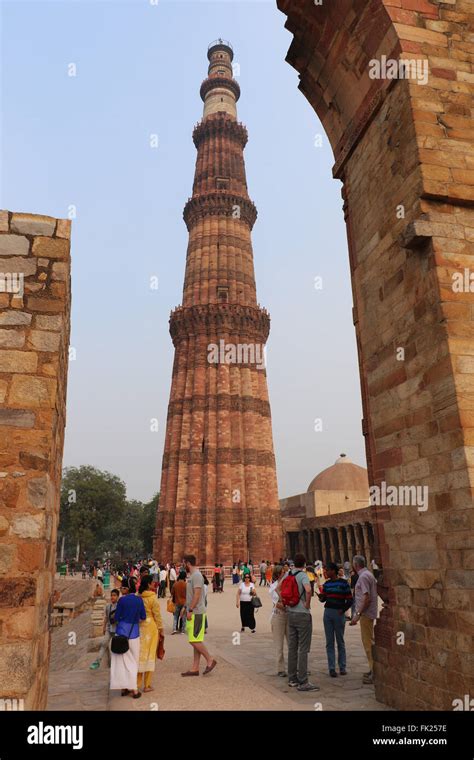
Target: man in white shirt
{"points": [[172, 577], [155, 571], [162, 589]]}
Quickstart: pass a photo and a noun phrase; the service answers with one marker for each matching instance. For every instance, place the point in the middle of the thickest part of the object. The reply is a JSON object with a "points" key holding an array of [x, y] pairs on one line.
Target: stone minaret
{"points": [[219, 496]]}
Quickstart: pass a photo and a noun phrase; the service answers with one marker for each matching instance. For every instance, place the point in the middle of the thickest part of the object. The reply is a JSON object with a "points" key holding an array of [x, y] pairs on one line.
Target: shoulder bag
{"points": [[256, 601], [119, 644]]}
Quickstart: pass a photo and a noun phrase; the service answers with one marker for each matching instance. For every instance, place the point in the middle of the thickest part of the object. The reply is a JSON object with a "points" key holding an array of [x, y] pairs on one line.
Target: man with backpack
{"points": [[296, 596]]}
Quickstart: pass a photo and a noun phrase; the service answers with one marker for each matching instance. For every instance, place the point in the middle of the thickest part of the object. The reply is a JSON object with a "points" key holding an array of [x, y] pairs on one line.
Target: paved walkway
{"points": [[243, 679]]}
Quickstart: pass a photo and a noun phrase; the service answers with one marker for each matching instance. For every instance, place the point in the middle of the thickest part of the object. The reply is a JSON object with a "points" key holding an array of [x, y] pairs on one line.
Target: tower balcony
{"points": [[220, 124], [219, 319], [215, 82], [220, 203]]}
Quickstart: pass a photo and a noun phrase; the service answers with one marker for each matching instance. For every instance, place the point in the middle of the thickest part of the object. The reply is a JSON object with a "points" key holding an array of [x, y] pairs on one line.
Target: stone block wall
{"points": [[404, 152], [34, 345]]}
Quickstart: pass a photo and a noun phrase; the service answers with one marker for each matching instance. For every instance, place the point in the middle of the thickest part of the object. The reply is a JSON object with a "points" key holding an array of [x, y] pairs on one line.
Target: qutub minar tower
{"points": [[218, 496]]}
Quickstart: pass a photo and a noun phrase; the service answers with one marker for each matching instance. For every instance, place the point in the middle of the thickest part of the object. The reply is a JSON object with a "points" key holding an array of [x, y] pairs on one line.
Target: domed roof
{"points": [[344, 475]]}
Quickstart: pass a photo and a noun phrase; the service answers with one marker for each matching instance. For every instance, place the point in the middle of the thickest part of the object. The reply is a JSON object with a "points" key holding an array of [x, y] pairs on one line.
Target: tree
{"points": [[96, 514], [148, 522], [90, 502]]}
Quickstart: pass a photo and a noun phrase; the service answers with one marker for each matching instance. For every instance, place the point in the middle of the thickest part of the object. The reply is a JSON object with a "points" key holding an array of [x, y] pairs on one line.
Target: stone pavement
{"points": [[74, 589], [244, 678], [77, 690], [70, 684]]}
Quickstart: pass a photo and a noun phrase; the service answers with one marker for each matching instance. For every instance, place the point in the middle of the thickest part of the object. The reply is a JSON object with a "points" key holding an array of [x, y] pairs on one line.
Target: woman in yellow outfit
{"points": [[151, 630]]}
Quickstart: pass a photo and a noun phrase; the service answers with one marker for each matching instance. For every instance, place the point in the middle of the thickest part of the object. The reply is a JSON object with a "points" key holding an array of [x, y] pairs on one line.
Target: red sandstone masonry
{"points": [[394, 143], [219, 495], [34, 343]]}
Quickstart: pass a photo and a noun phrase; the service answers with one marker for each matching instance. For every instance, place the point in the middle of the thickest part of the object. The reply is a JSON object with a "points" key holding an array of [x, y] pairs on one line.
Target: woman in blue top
{"points": [[124, 667]]}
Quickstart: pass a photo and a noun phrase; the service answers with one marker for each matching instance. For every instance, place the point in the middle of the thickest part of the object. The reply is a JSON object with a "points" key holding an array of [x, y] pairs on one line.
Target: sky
{"points": [[84, 88]]}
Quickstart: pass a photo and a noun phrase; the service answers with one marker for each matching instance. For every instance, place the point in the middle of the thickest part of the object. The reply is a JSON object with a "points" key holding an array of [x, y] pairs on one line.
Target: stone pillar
{"points": [[359, 540], [327, 545], [319, 550], [351, 542], [296, 543], [304, 543], [332, 544], [346, 543], [301, 541], [322, 534], [34, 345], [340, 543], [367, 547]]}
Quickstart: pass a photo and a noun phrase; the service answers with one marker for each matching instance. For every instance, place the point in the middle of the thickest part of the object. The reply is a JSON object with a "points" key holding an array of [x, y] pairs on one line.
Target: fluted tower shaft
{"points": [[218, 496]]}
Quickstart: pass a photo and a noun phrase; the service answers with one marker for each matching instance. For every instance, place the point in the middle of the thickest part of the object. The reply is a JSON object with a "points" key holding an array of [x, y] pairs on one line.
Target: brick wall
{"points": [[403, 151], [34, 340]]}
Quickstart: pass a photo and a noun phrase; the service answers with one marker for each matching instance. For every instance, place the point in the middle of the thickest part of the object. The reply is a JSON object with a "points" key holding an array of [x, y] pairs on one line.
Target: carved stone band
{"points": [[218, 320], [219, 203]]}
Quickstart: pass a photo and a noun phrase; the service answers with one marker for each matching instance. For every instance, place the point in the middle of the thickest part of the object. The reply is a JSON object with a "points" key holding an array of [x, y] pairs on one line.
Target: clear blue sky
{"points": [[84, 141]]}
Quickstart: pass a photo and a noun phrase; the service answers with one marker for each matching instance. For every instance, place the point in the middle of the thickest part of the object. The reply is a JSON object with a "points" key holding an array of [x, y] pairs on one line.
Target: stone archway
{"points": [[403, 153]]}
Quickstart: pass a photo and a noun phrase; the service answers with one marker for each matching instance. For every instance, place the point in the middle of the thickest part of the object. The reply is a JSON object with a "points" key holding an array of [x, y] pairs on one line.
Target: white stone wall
{"points": [[220, 99]]}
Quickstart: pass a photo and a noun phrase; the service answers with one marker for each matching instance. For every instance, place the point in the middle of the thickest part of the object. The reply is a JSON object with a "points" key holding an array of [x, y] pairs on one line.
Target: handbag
{"points": [[170, 606], [119, 643], [256, 602], [160, 649]]}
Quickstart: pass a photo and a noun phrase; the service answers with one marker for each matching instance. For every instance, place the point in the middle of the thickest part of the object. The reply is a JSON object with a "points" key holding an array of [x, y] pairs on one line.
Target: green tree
{"points": [[148, 523], [91, 501], [123, 538], [96, 514]]}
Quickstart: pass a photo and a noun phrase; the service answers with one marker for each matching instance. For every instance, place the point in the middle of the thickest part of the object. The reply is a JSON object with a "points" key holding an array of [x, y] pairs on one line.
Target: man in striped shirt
{"points": [[337, 598]]}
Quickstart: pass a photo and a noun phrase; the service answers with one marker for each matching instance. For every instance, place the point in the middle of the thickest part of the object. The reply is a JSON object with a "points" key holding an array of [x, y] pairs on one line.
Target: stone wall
{"points": [[403, 150], [34, 344], [321, 503]]}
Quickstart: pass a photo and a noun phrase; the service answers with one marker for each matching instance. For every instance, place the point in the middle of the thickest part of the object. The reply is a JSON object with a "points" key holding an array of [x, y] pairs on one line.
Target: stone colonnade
{"points": [[334, 539]]}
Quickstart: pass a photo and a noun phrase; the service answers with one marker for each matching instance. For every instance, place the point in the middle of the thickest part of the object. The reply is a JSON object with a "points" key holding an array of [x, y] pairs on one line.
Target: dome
{"points": [[343, 475]]}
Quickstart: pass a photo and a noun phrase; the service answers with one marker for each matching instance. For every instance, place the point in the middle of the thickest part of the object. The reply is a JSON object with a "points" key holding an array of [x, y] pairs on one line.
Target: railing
{"points": [[221, 42], [209, 571]]}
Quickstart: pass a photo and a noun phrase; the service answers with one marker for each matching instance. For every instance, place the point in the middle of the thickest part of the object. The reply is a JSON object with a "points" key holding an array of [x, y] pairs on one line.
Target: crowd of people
{"points": [[134, 632], [133, 626], [87, 569], [341, 589]]}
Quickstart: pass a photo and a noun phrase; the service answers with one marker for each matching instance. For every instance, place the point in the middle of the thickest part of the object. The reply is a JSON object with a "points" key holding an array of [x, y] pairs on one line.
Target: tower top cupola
{"points": [[220, 91], [220, 46]]}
